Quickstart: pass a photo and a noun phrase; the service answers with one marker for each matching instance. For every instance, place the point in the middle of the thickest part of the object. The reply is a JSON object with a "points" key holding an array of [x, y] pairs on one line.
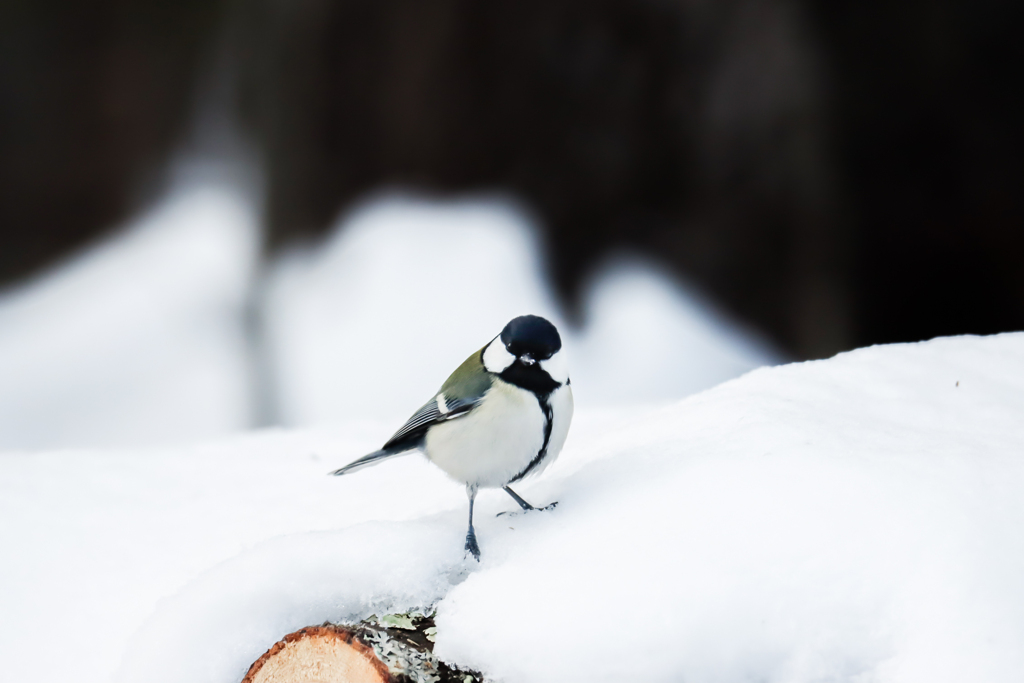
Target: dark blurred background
{"points": [[834, 173]]}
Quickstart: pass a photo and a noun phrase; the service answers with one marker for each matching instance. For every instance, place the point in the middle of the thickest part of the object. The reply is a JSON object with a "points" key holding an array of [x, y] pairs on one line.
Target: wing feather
{"points": [[431, 414], [463, 391]]}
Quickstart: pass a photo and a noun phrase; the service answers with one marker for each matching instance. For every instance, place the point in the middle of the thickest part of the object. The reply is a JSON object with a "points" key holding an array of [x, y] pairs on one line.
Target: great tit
{"points": [[501, 416]]}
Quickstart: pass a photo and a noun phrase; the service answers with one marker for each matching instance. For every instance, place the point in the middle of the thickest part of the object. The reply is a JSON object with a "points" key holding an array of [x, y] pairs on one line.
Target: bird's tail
{"points": [[371, 459]]}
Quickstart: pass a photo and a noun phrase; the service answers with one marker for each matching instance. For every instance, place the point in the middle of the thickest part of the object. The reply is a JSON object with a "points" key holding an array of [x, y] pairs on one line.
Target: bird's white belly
{"points": [[494, 442]]}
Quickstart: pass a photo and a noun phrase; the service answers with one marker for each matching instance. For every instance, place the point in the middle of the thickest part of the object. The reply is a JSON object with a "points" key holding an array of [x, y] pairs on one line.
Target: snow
{"points": [[106, 542], [139, 340], [855, 519], [371, 323], [142, 340], [650, 339], [401, 294]]}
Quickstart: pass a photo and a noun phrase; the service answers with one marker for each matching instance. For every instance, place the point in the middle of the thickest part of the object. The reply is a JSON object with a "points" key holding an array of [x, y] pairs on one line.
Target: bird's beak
{"points": [[527, 359]]}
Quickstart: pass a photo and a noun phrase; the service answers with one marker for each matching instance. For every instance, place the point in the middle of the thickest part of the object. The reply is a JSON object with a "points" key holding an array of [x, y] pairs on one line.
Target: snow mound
{"points": [[856, 519], [847, 520], [649, 339], [406, 289], [371, 324], [139, 340]]}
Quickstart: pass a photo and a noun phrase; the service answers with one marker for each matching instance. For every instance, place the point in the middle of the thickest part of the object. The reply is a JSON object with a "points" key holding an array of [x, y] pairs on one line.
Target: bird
{"points": [[502, 416]]}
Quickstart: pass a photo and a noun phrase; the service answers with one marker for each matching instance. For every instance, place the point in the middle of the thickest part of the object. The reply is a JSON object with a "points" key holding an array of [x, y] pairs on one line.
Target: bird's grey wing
{"points": [[463, 391], [410, 436], [441, 408], [460, 393]]}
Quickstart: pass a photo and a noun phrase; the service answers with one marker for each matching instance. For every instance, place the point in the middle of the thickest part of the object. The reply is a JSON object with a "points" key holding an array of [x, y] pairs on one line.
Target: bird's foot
{"points": [[516, 513], [471, 546]]}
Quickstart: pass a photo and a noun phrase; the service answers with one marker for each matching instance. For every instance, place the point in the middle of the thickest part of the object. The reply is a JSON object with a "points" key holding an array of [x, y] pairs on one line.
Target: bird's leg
{"points": [[471, 545], [522, 503], [517, 498]]}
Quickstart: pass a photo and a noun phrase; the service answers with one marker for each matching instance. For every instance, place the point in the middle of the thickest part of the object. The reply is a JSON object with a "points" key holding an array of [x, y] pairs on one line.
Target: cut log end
{"points": [[318, 654]]}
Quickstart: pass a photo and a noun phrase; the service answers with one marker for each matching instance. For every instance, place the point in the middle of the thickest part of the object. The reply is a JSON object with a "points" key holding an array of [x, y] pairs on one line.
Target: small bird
{"points": [[501, 416]]}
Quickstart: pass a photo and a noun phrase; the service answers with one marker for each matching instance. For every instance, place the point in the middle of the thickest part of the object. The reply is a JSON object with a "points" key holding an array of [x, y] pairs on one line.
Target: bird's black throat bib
{"points": [[530, 377]]}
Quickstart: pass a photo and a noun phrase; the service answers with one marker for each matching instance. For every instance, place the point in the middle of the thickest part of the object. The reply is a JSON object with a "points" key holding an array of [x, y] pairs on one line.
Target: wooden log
{"points": [[395, 648], [319, 654]]}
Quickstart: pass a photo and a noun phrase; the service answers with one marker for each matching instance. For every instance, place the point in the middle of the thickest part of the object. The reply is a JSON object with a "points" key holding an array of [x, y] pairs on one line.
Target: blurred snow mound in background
{"points": [[406, 289], [648, 339], [850, 520], [142, 339], [372, 323], [139, 339]]}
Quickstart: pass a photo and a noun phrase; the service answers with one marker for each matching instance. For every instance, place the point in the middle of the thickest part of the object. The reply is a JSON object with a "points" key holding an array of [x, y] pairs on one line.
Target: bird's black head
{"points": [[525, 352], [531, 335]]}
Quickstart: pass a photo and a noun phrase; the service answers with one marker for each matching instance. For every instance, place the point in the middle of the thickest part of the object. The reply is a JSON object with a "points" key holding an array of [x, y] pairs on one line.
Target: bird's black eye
{"points": [[534, 353]]}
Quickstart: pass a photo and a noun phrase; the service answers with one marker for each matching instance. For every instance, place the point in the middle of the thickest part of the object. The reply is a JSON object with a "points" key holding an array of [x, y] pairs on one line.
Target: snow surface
{"points": [[855, 519], [139, 339]]}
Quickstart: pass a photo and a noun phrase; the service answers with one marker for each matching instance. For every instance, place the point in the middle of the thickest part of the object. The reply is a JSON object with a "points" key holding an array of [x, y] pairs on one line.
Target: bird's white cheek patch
{"points": [[497, 357], [556, 367]]}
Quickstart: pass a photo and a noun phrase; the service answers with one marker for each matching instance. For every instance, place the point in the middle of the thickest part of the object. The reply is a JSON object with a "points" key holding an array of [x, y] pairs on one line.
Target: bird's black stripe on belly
{"points": [[548, 419]]}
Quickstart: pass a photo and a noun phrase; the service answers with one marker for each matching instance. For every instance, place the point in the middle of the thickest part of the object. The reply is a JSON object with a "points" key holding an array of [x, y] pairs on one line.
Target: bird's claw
{"points": [[471, 547], [516, 513]]}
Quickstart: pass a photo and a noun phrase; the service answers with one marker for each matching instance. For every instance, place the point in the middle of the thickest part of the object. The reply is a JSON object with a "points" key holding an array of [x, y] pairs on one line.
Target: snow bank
{"points": [[139, 340], [856, 519], [406, 288], [118, 548]]}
